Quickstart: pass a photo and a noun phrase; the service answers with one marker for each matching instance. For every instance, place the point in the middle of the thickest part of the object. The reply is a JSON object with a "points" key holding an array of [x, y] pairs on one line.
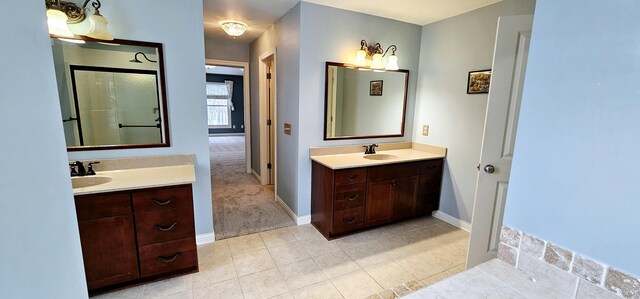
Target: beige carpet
{"points": [[241, 206]]}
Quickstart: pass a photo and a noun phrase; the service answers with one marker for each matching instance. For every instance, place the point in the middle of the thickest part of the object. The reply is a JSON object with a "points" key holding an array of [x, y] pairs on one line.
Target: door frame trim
{"points": [[262, 119], [247, 103]]}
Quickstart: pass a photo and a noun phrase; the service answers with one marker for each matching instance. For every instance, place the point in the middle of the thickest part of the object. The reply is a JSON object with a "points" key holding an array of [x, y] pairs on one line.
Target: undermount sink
{"points": [[89, 181], [380, 157]]}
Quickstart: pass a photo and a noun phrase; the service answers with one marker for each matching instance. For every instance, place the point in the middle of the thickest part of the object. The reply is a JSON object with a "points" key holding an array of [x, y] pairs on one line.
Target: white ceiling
{"points": [[261, 14], [258, 14]]}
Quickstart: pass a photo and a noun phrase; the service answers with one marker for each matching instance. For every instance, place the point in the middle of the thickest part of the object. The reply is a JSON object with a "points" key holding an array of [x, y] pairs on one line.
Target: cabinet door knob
{"points": [[165, 228], [165, 202], [489, 169], [352, 198], [169, 259]]}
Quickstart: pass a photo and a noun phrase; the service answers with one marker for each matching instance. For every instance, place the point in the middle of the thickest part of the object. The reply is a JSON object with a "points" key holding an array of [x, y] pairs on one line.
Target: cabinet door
{"points": [[405, 198], [109, 250], [379, 202]]}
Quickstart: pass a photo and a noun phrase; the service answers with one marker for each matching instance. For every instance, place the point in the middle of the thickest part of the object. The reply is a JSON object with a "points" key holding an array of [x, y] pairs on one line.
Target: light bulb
{"points": [[392, 63], [361, 58], [377, 61], [57, 22]]}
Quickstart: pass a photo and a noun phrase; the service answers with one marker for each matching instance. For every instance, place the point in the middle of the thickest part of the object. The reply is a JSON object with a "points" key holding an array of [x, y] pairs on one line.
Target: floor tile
{"points": [[356, 285], [277, 237], [317, 247], [422, 222], [182, 295], [264, 284], [367, 255], [288, 253], [213, 251], [336, 264], [436, 278], [305, 232], [229, 289], [168, 287], [546, 275], [252, 262], [128, 293], [389, 275], [214, 272], [422, 265], [244, 244], [283, 296], [538, 286], [470, 284], [301, 274], [322, 290]]}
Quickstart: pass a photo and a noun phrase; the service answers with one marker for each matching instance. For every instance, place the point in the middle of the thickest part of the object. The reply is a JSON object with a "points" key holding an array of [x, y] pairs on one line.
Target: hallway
{"points": [[241, 206]]}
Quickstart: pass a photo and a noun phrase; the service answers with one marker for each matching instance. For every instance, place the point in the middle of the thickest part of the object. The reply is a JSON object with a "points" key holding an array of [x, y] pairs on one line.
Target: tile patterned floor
{"points": [[298, 262]]}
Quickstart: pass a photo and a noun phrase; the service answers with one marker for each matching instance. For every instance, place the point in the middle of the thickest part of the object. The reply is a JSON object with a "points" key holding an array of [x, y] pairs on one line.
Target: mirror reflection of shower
{"points": [[136, 60]]}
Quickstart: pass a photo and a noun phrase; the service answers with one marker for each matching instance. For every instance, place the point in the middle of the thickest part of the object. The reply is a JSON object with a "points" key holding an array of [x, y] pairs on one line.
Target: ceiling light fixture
{"points": [[62, 13], [234, 28], [375, 53]]}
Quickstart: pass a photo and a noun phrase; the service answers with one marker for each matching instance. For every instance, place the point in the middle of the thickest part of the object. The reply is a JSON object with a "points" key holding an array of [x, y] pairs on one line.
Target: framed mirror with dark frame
{"points": [[112, 94], [364, 103]]}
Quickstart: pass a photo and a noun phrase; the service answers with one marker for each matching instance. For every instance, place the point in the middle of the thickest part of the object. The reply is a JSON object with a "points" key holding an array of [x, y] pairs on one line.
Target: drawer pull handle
{"points": [[350, 221], [164, 203], [353, 178], [165, 228], [352, 198], [169, 259]]}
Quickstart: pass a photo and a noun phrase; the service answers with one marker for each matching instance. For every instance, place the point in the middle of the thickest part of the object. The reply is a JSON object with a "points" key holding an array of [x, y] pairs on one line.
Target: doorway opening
{"points": [[242, 202]]}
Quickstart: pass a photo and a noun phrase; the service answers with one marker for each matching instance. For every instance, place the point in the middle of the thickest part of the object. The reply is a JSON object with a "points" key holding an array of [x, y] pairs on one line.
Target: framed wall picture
{"points": [[375, 88], [478, 82]]}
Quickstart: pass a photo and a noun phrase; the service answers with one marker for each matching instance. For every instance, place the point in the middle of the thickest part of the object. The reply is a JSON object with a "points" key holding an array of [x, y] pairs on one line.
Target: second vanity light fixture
{"points": [[62, 13], [375, 53]]}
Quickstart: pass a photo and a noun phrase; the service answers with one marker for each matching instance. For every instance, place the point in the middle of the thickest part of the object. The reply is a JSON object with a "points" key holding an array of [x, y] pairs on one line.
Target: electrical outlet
{"points": [[425, 130]]}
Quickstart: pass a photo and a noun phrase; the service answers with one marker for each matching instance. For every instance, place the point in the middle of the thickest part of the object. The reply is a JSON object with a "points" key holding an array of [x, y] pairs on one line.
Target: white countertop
{"points": [[352, 160], [139, 178]]}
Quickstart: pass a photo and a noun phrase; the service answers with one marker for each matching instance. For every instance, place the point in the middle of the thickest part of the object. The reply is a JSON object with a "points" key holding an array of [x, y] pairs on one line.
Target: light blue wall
{"points": [[330, 34], [180, 30], [450, 49], [40, 255], [575, 171]]}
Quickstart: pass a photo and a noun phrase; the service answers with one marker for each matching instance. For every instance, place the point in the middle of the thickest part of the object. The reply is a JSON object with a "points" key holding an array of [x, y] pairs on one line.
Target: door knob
{"points": [[489, 169]]}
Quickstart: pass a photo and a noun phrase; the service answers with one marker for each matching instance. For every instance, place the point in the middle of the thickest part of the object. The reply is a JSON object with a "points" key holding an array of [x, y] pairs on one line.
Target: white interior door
{"points": [[503, 108]]}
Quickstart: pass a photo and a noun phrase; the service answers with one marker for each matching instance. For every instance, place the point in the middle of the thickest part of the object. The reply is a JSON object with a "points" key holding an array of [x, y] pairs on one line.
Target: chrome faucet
{"points": [[370, 149]]}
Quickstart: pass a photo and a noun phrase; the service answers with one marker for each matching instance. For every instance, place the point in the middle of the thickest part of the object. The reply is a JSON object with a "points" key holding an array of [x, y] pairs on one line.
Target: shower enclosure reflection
{"points": [[115, 106]]}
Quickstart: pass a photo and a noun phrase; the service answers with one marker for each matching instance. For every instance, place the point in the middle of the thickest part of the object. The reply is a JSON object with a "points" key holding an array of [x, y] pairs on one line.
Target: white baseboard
{"points": [[205, 238], [299, 220], [452, 220], [255, 174]]}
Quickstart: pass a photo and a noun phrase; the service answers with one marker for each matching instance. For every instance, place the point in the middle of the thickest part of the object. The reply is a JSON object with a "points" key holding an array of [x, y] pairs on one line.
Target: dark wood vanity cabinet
{"points": [[129, 237], [349, 200]]}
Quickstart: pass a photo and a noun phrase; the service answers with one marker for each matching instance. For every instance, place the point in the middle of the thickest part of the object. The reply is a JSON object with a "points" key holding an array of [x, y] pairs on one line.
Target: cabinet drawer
{"points": [[103, 205], [350, 176], [348, 220], [164, 225], [393, 171], [350, 196], [162, 199], [168, 257], [431, 167]]}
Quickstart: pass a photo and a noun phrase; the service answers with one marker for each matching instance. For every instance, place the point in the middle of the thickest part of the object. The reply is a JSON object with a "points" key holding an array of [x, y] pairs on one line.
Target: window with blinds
{"points": [[219, 105]]}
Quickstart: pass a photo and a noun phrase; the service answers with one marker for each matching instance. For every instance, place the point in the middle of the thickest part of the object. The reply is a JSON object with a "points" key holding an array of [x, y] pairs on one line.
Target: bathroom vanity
{"points": [[352, 191], [136, 224]]}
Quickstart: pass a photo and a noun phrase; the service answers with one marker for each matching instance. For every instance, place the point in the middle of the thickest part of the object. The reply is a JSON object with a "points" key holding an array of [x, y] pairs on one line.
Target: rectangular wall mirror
{"points": [[364, 103], [112, 95]]}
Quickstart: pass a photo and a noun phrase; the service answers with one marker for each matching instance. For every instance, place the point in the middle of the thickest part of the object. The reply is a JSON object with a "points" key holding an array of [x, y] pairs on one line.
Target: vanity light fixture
{"points": [[234, 28], [375, 53], [136, 60], [62, 13]]}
